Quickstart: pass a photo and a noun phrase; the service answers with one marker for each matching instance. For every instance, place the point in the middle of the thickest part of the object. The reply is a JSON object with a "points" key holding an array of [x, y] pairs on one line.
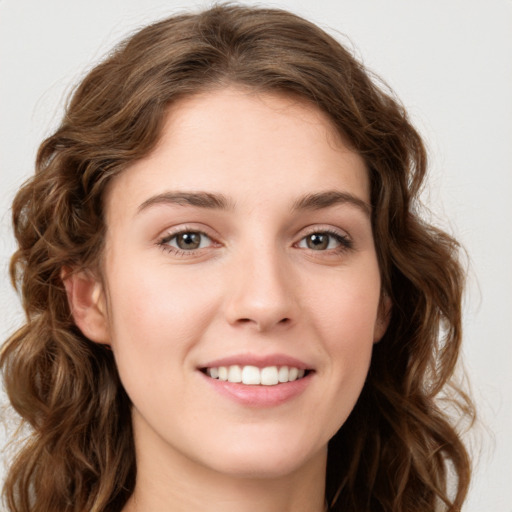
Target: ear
{"points": [[86, 300], [383, 317]]}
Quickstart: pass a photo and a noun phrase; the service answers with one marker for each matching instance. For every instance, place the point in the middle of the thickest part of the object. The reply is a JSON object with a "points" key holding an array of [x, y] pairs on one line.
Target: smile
{"points": [[254, 376]]}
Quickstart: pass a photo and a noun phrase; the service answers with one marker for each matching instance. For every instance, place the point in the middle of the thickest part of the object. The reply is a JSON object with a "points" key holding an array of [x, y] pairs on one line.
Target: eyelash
{"points": [[163, 242], [345, 243]]}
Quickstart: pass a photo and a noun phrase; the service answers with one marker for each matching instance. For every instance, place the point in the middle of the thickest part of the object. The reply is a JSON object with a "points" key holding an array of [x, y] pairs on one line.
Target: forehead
{"points": [[253, 147]]}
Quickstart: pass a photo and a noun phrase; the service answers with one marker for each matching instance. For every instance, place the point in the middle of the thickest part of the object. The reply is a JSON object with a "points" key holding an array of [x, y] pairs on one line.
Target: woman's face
{"points": [[242, 248]]}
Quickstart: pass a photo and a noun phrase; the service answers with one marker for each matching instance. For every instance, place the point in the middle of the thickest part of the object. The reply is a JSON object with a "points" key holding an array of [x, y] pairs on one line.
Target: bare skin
{"points": [[244, 239]]}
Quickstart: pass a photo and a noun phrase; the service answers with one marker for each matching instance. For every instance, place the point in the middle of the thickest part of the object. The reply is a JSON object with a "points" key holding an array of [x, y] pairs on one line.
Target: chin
{"points": [[267, 462]]}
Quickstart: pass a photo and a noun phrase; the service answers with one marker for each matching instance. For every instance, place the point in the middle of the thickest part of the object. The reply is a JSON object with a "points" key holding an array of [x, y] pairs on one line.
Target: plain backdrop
{"points": [[451, 64]]}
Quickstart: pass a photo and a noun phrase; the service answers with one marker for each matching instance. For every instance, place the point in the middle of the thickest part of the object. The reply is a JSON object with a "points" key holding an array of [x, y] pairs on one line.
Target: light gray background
{"points": [[451, 64]]}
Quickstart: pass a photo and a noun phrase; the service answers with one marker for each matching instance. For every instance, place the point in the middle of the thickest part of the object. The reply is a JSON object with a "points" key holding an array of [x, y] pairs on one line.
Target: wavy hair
{"points": [[398, 451]]}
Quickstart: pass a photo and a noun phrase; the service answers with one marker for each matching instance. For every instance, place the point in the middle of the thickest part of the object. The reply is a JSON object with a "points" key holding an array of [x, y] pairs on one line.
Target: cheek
{"points": [[156, 321], [346, 307], [154, 311], [345, 320], [348, 335]]}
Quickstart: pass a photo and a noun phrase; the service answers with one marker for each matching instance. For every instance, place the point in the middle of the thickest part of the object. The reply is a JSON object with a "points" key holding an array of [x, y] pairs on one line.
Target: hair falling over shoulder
{"points": [[398, 451]]}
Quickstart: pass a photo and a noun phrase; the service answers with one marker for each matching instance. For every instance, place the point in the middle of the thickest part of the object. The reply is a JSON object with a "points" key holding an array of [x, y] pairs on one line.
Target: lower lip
{"points": [[260, 396]]}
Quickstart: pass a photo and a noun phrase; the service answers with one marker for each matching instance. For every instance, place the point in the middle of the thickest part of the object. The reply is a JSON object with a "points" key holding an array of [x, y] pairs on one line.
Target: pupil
{"points": [[318, 242], [189, 240]]}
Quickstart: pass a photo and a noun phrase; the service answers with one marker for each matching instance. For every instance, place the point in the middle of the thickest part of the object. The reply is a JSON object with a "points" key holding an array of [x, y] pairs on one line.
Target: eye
{"points": [[325, 240], [186, 241]]}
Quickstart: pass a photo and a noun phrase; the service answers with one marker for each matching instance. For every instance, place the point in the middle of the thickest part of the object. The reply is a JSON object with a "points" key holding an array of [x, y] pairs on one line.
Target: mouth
{"points": [[254, 376], [258, 381]]}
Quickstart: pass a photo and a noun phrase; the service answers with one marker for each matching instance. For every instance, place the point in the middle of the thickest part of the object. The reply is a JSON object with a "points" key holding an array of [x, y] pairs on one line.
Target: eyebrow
{"points": [[208, 200], [199, 199], [321, 200]]}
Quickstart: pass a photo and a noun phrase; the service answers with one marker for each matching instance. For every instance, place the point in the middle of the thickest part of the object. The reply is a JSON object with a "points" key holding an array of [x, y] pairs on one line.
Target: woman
{"points": [[231, 301]]}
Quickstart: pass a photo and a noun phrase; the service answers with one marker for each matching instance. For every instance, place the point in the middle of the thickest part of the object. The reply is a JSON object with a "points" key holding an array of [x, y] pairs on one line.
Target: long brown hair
{"points": [[398, 448]]}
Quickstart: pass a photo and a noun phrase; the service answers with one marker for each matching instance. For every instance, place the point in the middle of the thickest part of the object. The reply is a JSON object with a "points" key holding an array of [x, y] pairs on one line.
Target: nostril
{"points": [[263, 324]]}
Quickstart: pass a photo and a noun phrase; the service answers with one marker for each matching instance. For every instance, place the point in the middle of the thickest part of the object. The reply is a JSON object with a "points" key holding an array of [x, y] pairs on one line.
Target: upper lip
{"points": [[260, 361]]}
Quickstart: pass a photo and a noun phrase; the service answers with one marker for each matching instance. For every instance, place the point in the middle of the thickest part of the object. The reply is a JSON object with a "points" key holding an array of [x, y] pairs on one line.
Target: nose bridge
{"points": [[261, 288]]}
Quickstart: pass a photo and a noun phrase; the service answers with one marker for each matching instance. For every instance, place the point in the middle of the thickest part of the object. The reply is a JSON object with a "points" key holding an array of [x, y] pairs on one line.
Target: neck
{"points": [[181, 485]]}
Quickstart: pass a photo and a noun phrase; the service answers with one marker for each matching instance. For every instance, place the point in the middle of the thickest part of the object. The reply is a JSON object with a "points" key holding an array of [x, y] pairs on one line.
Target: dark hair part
{"points": [[397, 449]]}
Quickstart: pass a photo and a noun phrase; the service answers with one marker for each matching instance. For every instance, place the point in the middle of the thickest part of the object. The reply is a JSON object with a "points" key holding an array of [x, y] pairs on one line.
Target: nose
{"points": [[262, 292]]}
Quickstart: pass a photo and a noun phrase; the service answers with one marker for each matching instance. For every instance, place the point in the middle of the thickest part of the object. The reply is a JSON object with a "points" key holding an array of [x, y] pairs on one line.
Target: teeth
{"points": [[253, 376], [282, 374], [235, 374], [269, 376]]}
